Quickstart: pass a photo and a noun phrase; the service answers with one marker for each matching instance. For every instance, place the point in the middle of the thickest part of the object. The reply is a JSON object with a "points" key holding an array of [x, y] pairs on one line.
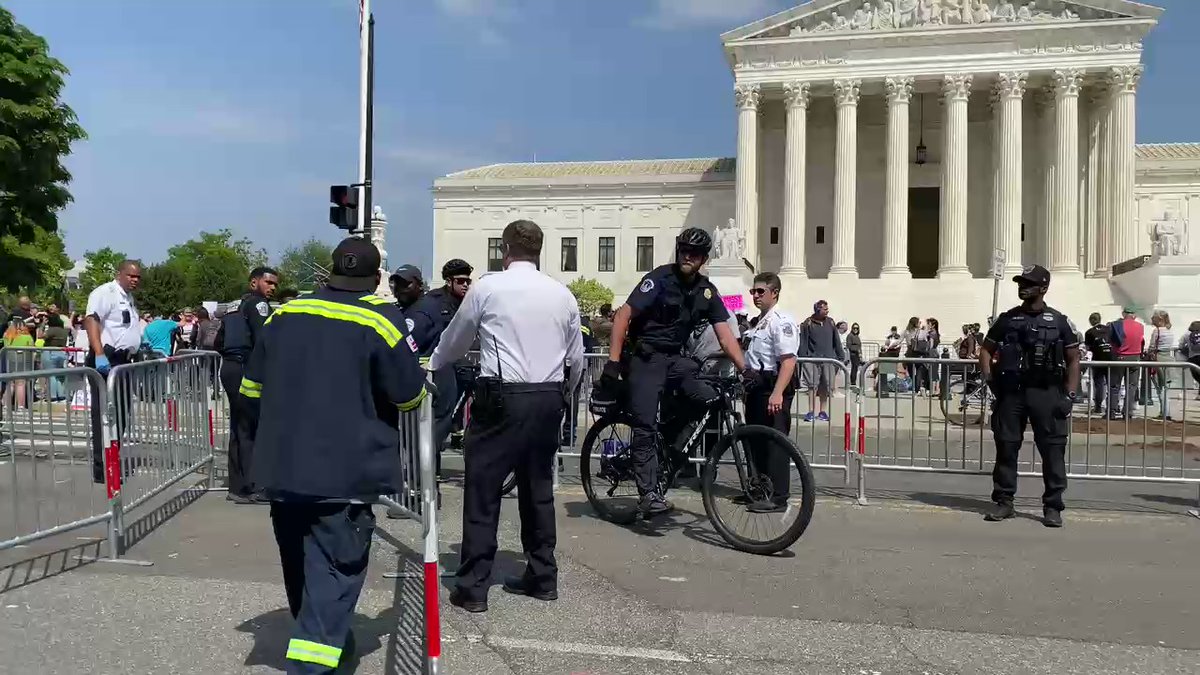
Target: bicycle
{"points": [[967, 401], [606, 466]]}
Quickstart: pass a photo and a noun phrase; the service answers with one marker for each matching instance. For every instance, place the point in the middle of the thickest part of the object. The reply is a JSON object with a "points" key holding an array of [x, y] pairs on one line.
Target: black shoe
{"points": [[238, 499], [999, 512], [520, 586], [396, 514], [654, 505], [1052, 517], [741, 500], [259, 499], [1097, 410], [767, 506], [472, 606]]}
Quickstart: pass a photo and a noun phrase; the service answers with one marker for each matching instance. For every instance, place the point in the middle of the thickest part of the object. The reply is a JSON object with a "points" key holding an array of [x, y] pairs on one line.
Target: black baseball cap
{"points": [[355, 265], [1035, 275], [408, 273]]}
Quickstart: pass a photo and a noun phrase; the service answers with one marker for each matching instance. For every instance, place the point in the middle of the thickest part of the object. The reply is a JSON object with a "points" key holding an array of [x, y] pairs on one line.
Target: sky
{"points": [[239, 114]]}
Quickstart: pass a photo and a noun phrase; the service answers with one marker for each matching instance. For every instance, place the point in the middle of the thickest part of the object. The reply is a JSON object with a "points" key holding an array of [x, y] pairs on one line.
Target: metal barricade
{"points": [[162, 425], [949, 431], [418, 500], [52, 458], [825, 442], [26, 359]]}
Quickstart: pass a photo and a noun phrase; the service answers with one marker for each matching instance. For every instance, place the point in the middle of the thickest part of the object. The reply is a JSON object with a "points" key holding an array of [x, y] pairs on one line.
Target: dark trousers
{"points": [[1013, 410], [443, 409], [767, 458], [1099, 387], [1130, 377], [855, 364], [324, 548], [649, 374], [115, 358], [241, 441], [1195, 360], [522, 437]]}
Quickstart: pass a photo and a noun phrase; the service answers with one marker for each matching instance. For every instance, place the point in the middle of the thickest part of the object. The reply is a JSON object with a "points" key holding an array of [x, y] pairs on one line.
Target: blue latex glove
{"points": [[102, 366]]}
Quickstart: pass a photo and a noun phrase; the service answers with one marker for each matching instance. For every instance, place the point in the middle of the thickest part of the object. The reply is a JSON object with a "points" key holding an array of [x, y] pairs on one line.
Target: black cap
{"points": [[408, 273], [1034, 274], [355, 264]]}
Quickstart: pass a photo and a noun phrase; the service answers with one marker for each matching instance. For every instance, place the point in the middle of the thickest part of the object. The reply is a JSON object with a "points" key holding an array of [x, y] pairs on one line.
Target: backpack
{"points": [[920, 344], [964, 347], [1103, 343], [1193, 343], [208, 335]]}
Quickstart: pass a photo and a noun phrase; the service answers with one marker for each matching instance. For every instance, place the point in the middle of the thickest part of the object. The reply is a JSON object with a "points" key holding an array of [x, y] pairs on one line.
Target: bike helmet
{"points": [[455, 267], [694, 239]]}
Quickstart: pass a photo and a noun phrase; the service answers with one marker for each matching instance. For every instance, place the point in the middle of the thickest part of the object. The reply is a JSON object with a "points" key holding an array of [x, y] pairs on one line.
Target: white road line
{"points": [[581, 648]]}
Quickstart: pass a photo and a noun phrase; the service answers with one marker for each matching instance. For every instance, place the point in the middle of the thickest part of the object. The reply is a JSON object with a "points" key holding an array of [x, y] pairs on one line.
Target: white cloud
{"points": [[676, 14], [435, 159], [471, 7], [481, 16]]}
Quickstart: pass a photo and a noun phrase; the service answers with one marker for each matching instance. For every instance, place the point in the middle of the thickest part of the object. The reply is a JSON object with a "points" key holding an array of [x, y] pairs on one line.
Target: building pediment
{"points": [[821, 17]]}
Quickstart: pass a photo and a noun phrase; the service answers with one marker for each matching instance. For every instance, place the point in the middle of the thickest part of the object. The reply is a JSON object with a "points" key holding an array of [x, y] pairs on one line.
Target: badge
{"points": [[409, 323], [1047, 316], [647, 286], [708, 294], [787, 330], [263, 308], [412, 344]]}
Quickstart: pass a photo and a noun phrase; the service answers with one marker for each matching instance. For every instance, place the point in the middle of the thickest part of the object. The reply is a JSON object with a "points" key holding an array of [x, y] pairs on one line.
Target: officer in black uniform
{"points": [[407, 286], [656, 320], [325, 386], [236, 338], [1035, 378], [430, 316]]}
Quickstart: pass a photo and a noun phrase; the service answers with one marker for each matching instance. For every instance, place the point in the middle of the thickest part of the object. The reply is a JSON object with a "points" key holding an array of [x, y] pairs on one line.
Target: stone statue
{"points": [[906, 13], [729, 243], [840, 22], [1165, 237], [952, 11], [885, 16], [862, 17], [1024, 13], [983, 12], [893, 14], [1005, 12]]}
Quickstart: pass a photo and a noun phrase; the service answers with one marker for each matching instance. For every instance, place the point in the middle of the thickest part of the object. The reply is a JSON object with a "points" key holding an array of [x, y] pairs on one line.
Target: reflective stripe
{"points": [[251, 384], [585, 330], [341, 312], [423, 360], [313, 652], [414, 402], [375, 300], [250, 393]]}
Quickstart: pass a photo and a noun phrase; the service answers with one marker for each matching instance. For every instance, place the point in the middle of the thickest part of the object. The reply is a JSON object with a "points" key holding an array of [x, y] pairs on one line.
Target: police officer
{"points": [[771, 358], [236, 338], [407, 286], [656, 321], [1035, 378], [519, 402], [329, 376]]}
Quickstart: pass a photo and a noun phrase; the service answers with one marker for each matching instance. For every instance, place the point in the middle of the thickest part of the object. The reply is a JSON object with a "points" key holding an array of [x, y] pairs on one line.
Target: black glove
{"points": [[750, 378], [1063, 410], [611, 373], [994, 385]]}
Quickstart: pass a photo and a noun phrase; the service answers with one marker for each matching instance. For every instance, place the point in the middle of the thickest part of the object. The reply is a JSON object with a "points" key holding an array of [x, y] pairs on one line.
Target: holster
{"points": [[488, 405]]}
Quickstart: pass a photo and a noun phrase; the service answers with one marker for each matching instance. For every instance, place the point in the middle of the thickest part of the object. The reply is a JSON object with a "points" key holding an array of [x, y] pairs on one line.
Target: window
{"points": [[495, 255], [645, 254], [570, 260], [1022, 231], [608, 254], [820, 234], [774, 235]]}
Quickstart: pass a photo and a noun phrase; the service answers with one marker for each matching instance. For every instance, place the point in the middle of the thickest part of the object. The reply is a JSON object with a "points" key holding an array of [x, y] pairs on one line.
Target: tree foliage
{"points": [[36, 132], [213, 266], [101, 268], [304, 265], [164, 289], [590, 294]]}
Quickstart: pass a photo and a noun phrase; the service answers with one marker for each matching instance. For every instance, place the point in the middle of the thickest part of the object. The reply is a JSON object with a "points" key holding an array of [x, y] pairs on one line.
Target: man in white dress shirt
{"points": [[529, 338]]}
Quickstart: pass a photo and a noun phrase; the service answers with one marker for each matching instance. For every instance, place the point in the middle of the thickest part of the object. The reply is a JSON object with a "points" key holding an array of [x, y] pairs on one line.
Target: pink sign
{"points": [[733, 303]]}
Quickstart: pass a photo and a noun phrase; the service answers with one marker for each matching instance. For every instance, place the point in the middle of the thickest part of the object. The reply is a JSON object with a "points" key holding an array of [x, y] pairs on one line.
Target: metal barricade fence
{"points": [[52, 458], [948, 431], [418, 500], [26, 359]]}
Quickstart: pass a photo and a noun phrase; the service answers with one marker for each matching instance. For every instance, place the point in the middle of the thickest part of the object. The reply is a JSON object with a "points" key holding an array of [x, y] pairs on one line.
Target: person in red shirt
{"points": [[1129, 339]]}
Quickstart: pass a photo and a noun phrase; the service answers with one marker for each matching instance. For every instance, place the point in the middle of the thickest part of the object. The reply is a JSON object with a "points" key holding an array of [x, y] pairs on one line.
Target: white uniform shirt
{"points": [[772, 338], [528, 327], [120, 327]]}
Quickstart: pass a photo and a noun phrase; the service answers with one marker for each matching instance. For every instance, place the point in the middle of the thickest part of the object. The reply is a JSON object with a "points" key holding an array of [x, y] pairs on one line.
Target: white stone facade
{"points": [[1024, 114]]}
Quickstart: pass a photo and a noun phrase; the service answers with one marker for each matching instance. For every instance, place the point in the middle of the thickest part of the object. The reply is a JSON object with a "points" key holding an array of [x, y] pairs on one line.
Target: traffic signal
{"points": [[344, 212]]}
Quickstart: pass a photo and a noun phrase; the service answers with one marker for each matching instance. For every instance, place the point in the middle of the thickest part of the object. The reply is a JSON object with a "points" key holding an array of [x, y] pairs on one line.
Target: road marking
{"points": [[678, 580], [581, 648]]}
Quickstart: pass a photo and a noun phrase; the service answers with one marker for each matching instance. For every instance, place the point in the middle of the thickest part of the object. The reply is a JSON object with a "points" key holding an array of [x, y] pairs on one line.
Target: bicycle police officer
{"points": [[430, 316], [235, 340], [656, 320], [407, 286], [1035, 378], [325, 386]]}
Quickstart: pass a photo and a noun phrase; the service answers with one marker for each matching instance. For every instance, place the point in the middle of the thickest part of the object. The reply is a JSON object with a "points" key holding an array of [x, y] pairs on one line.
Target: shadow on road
{"points": [[142, 527], [271, 632], [1189, 502]]}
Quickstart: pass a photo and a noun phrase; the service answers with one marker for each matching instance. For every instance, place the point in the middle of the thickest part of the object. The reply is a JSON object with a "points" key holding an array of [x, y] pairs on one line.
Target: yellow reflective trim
{"points": [[313, 652], [423, 360], [337, 311], [585, 330], [413, 403], [250, 384], [375, 300], [250, 393]]}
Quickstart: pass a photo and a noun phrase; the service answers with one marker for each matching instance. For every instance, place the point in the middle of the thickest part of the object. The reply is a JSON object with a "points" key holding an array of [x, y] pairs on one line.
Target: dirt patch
{"points": [[1138, 426]]}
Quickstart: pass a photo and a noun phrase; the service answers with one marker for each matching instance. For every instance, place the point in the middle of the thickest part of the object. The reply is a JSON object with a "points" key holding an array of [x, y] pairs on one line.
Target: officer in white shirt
{"points": [[114, 334], [529, 337], [771, 355]]}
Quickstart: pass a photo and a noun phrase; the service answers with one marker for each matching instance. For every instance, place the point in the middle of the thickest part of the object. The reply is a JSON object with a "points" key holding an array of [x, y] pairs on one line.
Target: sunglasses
{"points": [[463, 281], [758, 291]]}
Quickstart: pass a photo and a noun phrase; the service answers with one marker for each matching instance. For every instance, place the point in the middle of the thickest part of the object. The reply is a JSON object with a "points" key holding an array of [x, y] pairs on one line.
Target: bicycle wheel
{"points": [[732, 482], [510, 484], [606, 469], [964, 404]]}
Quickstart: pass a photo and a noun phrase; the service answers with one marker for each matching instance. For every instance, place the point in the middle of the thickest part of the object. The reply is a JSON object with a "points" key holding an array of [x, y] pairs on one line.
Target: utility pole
{"points": [[366, 31]]}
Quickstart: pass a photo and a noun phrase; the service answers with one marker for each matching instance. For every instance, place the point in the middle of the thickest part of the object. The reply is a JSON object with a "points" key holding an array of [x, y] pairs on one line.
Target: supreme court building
{"points": [[886, 149]]}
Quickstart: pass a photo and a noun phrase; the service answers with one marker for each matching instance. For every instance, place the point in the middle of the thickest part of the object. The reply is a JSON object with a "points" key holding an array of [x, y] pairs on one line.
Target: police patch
{"points": [[409, 324], [1048, 316], [787, 330], [708, 294], [412, 344], [647, 286], [263, 308]]}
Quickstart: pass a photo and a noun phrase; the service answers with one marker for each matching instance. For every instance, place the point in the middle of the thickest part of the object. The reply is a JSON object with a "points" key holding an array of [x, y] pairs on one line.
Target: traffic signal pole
{"points": [[366, 116]]}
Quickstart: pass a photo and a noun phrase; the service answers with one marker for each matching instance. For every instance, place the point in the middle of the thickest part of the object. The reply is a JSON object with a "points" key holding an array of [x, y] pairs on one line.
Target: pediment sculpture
{"points": [[1166, 236], [864, 15]]}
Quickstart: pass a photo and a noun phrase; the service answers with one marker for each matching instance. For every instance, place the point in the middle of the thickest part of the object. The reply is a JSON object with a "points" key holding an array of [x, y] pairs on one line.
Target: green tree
{"points": [[36, 131], [590, 294], [101, 268], [305, 265], [215, 266], [164, 289]]}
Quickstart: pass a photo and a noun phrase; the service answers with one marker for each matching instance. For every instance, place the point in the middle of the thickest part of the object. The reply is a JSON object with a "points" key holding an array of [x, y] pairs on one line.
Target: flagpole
{"points": [[364, 139]]}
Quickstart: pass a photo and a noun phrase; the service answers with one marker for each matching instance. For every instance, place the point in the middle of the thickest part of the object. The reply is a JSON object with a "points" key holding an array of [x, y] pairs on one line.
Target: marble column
{"points": [[1124, 240], [1064, 221], [795, 176], [1010, 87], [895, 215], [1044, 104], [745, 213], [846, 179], [994, 109], [1097, 175], [952, 234]]}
